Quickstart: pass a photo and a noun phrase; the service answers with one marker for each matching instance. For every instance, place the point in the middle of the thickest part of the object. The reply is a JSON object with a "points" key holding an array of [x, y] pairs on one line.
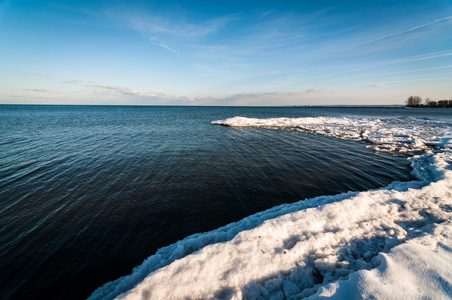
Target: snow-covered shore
{"points": [[391, 243]]}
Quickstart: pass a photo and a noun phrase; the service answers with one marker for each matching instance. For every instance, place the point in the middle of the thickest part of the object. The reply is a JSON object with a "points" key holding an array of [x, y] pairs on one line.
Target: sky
{"points": [[270, 53]]}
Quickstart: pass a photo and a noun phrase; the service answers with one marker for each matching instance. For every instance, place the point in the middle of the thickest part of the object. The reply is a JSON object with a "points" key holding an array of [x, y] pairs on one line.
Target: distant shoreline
{"points": [[276, 106], [350, 106], [425, 106], [281, 106]]}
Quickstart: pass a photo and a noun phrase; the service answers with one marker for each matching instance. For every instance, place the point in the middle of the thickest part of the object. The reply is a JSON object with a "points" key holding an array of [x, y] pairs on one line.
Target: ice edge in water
{"points": [[394, 242]]}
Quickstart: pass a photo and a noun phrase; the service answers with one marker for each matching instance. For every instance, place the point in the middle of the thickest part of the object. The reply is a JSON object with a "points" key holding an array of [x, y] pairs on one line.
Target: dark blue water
{"points": [[88, 192]]}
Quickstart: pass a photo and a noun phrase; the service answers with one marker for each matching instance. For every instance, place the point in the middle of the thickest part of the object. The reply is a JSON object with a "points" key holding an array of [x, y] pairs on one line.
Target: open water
{"points": [[88, 192]]}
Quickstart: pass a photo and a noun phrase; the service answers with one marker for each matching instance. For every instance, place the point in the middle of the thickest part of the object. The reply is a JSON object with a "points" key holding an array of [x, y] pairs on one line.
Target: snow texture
{"points": [[391, 243]]}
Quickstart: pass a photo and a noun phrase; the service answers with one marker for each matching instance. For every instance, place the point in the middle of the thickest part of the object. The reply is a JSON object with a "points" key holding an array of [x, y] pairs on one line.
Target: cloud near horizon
{"points": [[236, 99], [37, 90], [72, 81], [130, 92], [269, 98]]}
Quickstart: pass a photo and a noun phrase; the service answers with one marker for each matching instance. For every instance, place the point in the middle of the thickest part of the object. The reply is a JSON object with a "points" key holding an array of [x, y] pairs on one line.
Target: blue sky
{"points": [[224, 52]]}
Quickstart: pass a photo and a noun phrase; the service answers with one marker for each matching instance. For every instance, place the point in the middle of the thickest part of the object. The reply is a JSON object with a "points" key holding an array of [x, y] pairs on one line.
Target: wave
{"points": [[357, 243]]}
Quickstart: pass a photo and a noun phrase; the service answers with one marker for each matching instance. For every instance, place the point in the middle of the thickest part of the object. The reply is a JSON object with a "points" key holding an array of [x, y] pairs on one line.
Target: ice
{"points": [[390, 243], [393, 135]]}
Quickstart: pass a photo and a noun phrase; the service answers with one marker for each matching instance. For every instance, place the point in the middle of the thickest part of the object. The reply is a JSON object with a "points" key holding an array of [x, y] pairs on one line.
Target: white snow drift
{"points": [[390, 243]]}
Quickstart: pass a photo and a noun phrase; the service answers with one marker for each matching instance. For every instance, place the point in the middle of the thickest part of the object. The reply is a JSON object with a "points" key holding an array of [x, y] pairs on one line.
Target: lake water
{"points": [[89, 192]]}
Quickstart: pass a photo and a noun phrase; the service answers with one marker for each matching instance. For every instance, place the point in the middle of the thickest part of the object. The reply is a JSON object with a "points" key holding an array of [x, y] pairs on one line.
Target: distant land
{"points": [[416, 102], [345, 105]]}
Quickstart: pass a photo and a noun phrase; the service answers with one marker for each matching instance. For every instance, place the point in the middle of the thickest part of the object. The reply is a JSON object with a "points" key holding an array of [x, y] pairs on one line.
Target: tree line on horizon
{"points": [[416, 101]]}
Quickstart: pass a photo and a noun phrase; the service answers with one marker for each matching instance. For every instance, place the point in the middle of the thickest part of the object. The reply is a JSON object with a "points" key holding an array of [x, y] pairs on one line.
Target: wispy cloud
{"points": [[405, 31], [168, 48], [158, 26], [416, 70], [43, 74], [408, 59], [131, 92], [169, 30], [269, 98], [424, 79], [428, 56], [37, 90], [236, 99], [379, 85], [72, 81], [279, 94], [255, 35]]}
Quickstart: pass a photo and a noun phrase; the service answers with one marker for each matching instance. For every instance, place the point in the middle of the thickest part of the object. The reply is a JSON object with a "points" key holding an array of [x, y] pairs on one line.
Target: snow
{"points": [[419, 268], [390, 243], [397, 134]]}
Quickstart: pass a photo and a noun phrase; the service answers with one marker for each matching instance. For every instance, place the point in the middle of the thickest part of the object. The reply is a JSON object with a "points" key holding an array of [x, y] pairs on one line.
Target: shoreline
{"points": [[321, 247], [324, 246]]}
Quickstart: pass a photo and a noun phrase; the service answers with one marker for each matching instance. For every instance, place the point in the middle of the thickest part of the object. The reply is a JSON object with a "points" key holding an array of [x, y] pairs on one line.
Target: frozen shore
{"points": [[390, 243]]}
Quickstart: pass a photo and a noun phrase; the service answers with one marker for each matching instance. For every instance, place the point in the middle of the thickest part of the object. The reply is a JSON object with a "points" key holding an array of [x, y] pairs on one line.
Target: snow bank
{"points": [[386, 243], [418, 269]]}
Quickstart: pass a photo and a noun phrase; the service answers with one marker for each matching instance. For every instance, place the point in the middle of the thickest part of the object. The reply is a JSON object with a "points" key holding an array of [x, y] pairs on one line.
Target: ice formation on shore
{"points": [[397, 134], [390, 243]]}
